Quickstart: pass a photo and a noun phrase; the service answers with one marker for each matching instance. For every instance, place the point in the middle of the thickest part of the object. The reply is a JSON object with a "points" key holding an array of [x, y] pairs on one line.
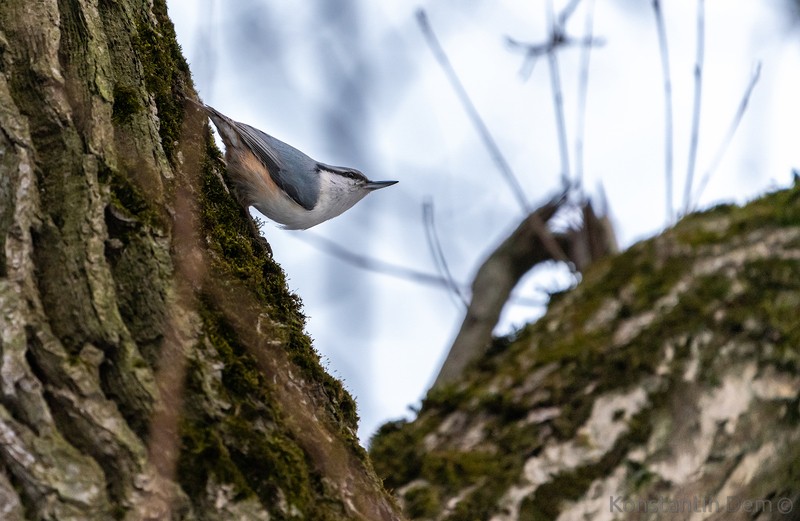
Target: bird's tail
{"points": [[225, 125], [211, 111]]}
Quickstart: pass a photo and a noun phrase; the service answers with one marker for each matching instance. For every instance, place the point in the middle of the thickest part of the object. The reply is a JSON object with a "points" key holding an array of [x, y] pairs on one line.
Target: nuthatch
{"points": [[283, 183]]}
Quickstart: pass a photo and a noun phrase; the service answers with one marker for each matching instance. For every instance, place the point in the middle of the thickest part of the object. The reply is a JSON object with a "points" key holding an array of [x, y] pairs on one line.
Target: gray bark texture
{"points": [[666, 386], [153, 364]]}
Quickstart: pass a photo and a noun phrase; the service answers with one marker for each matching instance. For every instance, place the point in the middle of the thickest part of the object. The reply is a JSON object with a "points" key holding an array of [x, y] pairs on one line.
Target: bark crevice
{"points": [[120, 398]]}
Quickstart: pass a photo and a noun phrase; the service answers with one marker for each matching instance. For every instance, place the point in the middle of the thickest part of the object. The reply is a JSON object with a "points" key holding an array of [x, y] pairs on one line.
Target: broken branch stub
{"points": [[530, 244]]}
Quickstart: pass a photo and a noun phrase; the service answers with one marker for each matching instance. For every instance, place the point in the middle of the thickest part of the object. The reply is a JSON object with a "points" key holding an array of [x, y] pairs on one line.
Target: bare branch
{"points": [[668, 125], [558, 38], [372, 264], [533, 50], [398, 271], [472, 112], [698, 84], [568, 11], [506, 265], [583, 89], [435, 247], [496, 278], [561, 125], [723, 147], [556, 32], [547, 240]]}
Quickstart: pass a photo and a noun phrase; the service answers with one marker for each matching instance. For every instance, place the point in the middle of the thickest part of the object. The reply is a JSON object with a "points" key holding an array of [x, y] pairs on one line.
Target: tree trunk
{"points": [[154, 364], [665, 386]]}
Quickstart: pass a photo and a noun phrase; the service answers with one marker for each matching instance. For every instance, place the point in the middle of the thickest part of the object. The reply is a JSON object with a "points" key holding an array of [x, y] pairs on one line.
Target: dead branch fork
{"points": [[530, 244]]}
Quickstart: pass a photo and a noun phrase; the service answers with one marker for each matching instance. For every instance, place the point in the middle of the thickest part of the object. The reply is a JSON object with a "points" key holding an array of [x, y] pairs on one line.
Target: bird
{"points": [[282, 182]]}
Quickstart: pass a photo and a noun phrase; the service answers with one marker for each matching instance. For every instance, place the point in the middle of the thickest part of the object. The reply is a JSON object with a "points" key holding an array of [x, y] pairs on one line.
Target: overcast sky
{"points": [[353, 83]]}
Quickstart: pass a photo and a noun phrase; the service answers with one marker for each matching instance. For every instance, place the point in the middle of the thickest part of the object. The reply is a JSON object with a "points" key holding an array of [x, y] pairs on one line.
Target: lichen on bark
{"points": [[154, 364], [669, 371]]}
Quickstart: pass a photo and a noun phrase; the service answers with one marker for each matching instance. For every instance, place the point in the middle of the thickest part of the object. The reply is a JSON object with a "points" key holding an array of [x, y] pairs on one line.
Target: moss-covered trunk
{"points": [[665, 386], [154, 364]]}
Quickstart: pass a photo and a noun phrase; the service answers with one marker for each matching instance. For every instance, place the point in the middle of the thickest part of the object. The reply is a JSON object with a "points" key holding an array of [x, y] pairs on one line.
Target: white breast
{"points": [[337, 194]]}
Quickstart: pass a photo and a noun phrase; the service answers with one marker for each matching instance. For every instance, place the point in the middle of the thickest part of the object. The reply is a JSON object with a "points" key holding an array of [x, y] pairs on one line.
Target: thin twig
{"points": [[435, 247], [568, 11], [395, 270], [561, 125], [533, 50], [472, 112], [723, 147], [369, 263], [540, 49], [547, 239], [583, 89], [558, 38], [698, 87], [556, 33], [494, 282], [668, 125]]}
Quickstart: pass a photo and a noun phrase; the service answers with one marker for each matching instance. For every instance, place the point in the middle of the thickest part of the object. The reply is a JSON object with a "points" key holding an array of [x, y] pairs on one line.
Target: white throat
{"points": [[337, 194]]}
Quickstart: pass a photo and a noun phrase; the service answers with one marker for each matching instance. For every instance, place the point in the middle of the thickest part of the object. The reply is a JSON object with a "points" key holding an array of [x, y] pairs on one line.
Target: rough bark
{"points": [[153, 363], [665, 386]]}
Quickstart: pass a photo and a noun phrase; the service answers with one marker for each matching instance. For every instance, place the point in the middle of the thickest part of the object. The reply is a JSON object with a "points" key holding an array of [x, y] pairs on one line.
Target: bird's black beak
{"points": [[376, 185]]}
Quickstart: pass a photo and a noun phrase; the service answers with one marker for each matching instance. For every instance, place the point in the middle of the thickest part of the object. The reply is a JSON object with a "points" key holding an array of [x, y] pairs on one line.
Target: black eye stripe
{"points": [[351, 174]]}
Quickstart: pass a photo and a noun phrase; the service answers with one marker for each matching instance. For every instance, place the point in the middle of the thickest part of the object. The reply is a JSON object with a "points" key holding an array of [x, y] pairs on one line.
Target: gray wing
{"points": [[293, 171]]}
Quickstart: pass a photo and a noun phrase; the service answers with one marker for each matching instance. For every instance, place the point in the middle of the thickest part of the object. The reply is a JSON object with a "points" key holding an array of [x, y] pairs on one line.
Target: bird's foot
{"points": [[255, 228]]}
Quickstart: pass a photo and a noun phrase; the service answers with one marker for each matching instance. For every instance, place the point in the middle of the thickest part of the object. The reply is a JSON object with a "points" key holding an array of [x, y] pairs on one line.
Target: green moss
{"points": [[245, 446], [481, 503], [777, 282], [445, 398], [575, 346], [165, 73], [239, 254], [781, 208], [273, 464], [777, 483], [574, 413], [718, 210], [639, 477], [398, 458], [653, 279], [454, 470], [485, 476], [248, 448], [422, 501], [241, 375], [129, 204], [394, 451], [126, 103], [204, 456], [754, 307], [503, 405], [548, 500]]}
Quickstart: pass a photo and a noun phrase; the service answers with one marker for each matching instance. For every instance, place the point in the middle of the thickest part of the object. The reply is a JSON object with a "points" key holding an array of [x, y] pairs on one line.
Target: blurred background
{"points": [[354, 83]]}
